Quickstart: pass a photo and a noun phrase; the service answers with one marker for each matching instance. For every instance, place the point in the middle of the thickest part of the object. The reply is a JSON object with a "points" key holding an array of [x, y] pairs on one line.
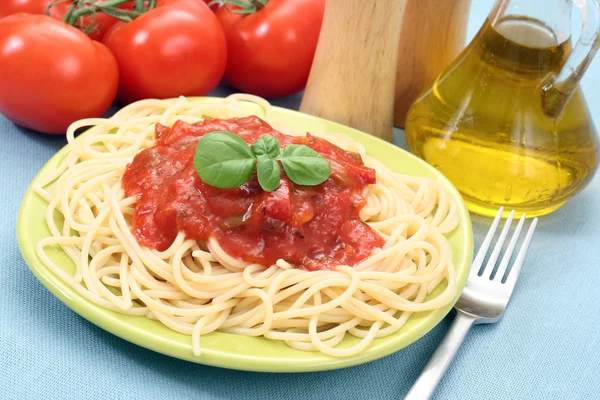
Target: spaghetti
{"points": [[195, 287]]}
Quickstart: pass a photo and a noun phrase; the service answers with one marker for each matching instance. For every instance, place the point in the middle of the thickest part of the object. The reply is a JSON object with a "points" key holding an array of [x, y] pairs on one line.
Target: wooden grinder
{"points": [[372, 53], [352, 77], [433, 34]]}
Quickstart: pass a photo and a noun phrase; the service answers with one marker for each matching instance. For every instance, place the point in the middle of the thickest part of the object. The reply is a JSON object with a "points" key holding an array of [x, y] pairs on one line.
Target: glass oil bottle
{"points": [[506, 122]]}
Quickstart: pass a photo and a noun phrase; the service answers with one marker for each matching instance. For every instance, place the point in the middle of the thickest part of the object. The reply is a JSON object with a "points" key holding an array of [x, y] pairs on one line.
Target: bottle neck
{"points": [[554, 16]]}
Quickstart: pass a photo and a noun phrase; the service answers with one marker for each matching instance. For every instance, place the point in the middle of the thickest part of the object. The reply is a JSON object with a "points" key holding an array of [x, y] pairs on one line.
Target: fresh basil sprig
{"points": [[225, 161]]}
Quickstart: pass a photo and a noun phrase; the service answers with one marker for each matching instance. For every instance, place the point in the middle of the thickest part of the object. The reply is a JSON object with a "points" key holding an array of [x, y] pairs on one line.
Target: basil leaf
{"points": [[304, 166], [223, 160], [269, 174], [266, 144]]}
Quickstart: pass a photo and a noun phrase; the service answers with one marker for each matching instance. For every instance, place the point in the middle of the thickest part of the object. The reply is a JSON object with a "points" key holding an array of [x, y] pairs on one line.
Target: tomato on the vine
{"points": [[101, 22], [98, 24], [175, 49], [10, 7], [52, 74], [271, 49]]}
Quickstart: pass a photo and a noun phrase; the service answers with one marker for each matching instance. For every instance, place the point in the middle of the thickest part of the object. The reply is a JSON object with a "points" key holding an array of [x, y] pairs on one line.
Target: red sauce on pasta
{"points": [[312, 227]]}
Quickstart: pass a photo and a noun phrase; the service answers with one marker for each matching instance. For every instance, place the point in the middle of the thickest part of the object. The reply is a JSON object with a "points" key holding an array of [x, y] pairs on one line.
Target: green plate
{"points": [[234, 351]]}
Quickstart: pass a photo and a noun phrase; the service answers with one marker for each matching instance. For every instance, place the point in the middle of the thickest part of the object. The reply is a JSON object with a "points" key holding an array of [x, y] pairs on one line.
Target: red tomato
{"points": [[52, 74], [9, 7], [175, 49], [271, 51]]}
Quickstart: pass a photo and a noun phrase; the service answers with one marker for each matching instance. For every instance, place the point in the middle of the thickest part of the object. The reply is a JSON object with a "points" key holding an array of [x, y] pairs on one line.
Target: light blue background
{"points": [[547, 346]]}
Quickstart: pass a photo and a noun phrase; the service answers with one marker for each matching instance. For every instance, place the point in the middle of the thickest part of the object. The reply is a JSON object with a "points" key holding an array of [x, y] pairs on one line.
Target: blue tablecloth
{"points": [[547, 346]]}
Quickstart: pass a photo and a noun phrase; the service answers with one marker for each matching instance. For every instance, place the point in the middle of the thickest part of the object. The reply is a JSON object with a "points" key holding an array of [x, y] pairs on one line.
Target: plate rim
{"points": [[115, 325]]}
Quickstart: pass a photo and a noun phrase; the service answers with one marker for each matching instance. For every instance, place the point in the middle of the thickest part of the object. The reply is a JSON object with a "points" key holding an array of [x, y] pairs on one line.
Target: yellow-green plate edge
{"points": [[234, 351]]}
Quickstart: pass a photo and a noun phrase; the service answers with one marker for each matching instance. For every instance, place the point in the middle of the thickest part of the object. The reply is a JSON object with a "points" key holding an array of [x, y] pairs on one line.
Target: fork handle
{"points": [[440, 360]]}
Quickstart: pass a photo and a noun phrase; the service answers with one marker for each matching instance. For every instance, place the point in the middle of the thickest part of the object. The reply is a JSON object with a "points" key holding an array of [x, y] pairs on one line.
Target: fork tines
{"points": [[501, 274]]}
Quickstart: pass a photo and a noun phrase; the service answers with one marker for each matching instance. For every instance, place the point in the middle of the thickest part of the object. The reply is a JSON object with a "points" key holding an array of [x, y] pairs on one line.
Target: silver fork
{"points": [[482, 302]]}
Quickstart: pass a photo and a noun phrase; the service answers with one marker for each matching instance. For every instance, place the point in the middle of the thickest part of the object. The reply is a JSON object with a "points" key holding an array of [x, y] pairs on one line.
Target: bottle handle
{"points": [[560, 88]]}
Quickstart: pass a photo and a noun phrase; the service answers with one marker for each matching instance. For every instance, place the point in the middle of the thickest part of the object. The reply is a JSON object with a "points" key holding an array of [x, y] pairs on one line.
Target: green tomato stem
{"points": [[139, 6], [68, 14], [108, 6], [244, 6]]}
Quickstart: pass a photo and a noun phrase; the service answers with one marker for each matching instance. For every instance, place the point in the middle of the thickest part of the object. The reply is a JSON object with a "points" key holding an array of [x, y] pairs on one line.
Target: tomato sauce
{"points": [[311, 227]]}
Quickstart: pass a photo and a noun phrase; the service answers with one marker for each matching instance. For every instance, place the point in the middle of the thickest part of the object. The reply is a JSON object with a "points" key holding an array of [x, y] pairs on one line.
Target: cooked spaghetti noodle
{"points": [[196, 287]]}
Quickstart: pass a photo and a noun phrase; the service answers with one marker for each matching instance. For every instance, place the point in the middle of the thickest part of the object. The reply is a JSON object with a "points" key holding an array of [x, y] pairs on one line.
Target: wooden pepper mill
{"points": [[372, 54], [352, 77], [433, 34]]}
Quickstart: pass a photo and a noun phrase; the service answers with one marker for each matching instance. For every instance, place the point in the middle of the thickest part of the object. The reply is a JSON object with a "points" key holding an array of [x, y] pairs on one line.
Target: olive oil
{"points": [[484, 126]]}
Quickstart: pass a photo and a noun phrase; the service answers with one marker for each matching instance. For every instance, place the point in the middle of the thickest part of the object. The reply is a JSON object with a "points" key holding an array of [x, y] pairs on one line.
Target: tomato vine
{"points": [[82, 8], [243, 6]]}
